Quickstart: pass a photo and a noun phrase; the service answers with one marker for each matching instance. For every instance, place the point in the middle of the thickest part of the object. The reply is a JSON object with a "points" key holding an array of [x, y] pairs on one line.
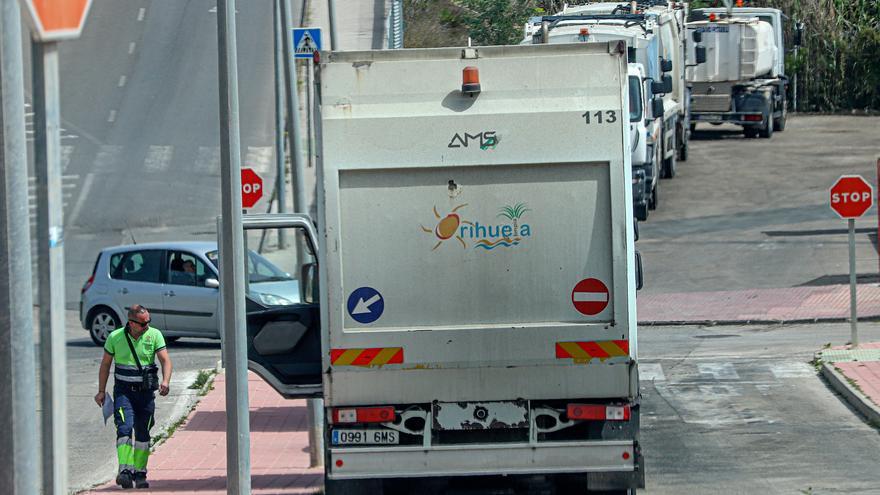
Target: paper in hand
{"points": [[107, 408]]}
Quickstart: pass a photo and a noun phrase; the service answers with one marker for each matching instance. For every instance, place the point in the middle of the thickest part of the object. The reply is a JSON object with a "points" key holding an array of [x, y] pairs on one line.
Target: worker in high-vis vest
{"points": [[135, 380]]}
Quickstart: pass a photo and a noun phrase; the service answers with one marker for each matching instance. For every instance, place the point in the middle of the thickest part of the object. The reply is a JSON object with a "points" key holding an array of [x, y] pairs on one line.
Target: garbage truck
{"points": [[743, 81], [471, 316]]}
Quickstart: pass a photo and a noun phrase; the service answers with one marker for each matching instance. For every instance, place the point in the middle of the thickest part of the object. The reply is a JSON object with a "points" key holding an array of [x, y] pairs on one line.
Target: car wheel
{"points": [[102, 321]]}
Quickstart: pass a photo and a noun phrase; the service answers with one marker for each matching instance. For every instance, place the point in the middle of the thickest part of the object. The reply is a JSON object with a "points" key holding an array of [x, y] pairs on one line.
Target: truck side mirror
{"points": [[308, 283], [657, 107], [698, 36], [799, 34], [657, 87], [639, 276], [667, 83], [665, 65], [700, 52]]}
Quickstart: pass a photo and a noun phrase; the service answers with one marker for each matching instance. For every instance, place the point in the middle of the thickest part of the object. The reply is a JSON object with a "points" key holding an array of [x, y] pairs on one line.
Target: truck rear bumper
{"points": [[739, 118], [599, 456]]}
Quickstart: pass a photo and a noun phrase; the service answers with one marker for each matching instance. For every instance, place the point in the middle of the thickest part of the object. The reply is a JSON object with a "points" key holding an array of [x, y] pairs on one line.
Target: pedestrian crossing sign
{"points": [[306, 41]]}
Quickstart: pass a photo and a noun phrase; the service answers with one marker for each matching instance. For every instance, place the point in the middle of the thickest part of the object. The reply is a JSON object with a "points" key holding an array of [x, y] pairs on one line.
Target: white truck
{"points": [[477, 272], [743, 81]]}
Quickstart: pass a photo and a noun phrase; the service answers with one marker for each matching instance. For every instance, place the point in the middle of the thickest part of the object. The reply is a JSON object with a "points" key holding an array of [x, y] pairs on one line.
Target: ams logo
{"points": [[485, 139]]}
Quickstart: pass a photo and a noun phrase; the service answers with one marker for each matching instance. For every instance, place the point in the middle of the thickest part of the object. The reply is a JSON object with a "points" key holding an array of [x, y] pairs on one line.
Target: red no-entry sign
{"points": [[851, 196], [590, 296], [251, 188], [55, 20]]}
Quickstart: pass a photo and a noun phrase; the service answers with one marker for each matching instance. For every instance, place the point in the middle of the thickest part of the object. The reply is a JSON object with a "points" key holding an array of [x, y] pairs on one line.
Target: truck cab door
{"points": [[284, 340]]}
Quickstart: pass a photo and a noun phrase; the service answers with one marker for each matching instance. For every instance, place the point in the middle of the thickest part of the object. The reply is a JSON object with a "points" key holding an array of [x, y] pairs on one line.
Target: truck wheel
{"points": [[669, 167], [684, 149], [750, 131], [766, 131], [652, 201], [779, 124], [641, 212], [353, 487]]}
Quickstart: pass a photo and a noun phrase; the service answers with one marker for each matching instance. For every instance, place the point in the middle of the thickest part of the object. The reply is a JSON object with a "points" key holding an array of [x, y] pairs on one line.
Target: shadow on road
{"points": [[709, 134]]}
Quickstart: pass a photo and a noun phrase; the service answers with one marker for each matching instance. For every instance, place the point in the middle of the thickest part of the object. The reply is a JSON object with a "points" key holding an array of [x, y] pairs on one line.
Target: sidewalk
{"points": [[193, 460], [855, 375], [827, 303]]}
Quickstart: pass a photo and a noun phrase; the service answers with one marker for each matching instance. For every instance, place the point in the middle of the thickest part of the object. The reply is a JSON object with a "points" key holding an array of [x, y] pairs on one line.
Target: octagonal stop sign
{"points": [[55, 20], [251, 188], [851, 196]]}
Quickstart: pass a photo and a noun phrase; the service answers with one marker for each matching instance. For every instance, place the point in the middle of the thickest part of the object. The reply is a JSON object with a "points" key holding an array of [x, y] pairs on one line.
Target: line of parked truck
{"points": [[709, 65]]}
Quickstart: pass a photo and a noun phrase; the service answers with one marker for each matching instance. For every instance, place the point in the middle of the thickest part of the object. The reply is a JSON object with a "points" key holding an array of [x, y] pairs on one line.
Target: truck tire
{"points": [[669, 167], [685, 148], [779, 123], [766, 131], [652, 201], [641, 212]]}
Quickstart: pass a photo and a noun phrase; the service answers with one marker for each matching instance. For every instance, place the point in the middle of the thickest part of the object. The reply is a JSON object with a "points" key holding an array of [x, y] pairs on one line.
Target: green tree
{"points": [[496, 22]]}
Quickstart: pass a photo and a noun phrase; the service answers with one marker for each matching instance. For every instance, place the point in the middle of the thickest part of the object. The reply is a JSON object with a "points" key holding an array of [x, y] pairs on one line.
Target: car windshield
{"points": [[259, 268]]}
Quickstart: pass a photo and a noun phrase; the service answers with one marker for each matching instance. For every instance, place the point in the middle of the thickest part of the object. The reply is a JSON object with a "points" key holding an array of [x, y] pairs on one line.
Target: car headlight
{"points": [[273, 300]]}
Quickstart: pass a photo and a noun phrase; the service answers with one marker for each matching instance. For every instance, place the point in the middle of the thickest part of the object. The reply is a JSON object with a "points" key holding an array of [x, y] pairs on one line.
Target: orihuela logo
{"points": [[488, 236]]}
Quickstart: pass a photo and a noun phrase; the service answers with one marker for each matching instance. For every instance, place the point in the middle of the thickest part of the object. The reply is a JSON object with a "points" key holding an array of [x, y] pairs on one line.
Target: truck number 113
{"points": [[610, 117]]}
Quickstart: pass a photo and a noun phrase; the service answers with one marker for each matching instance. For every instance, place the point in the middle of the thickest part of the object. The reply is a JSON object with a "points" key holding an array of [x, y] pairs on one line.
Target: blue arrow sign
{"points": [[306, 41], [365, 305]]}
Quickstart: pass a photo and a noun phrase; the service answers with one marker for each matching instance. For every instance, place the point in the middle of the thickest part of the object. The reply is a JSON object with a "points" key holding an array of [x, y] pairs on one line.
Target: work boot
{"points": [[123, 479], [140, 480]]}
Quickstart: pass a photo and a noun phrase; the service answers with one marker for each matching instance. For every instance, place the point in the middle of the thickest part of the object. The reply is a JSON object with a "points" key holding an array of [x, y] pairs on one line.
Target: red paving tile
{"points": [[788, 304], [865, 374], [194, 459]]}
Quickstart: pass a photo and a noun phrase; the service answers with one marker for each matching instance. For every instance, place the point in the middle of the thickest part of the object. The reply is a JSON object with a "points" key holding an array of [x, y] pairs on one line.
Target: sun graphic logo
{"points": [[447, 227]]}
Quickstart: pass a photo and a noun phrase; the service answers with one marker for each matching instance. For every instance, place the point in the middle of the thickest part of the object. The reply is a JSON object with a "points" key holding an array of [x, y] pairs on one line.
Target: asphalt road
{"points": [[740, 410], [753, 213]]}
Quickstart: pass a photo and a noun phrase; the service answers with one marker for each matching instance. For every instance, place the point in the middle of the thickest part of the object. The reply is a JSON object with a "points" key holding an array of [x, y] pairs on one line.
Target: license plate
{"points": [[365, 437]]}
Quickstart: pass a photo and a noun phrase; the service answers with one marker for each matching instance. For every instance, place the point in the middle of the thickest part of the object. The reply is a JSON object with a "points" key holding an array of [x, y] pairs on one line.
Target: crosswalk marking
{"points": [[792, 370], [66, 153], [719, 371], [259, 158], [107, 157], [208, 160], [158, 158]]}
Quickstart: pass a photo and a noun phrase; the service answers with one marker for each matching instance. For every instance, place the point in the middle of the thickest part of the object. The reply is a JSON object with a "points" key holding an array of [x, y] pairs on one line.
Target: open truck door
{"points": [[283, 314]]}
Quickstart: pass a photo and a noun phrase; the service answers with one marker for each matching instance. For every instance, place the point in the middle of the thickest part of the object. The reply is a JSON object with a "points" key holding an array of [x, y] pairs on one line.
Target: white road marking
{"points": [[66, 153], [259, 158], [131, 47], [208, 160], [107, 156], [112, 117], [122, 80], [719, 371], [158, 158], [651, 372], [792, 369], [83, 194], [141, 13]]}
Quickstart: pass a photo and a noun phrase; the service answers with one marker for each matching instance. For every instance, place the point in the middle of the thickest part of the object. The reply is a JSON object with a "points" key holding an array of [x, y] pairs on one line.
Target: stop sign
{"points": [[55, 20], [851, 196], [251, 188]]}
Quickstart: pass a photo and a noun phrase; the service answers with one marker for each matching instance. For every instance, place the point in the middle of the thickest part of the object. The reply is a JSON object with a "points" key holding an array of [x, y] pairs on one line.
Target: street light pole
{"points": [[280, 174]]}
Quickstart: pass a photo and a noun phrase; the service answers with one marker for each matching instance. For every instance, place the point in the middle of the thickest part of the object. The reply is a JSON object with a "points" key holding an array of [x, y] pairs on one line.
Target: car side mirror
{"points": [[665, 65], [308, 283], [212, 283], [700, 52], [657, 107], [639, 276], [697, 36]]}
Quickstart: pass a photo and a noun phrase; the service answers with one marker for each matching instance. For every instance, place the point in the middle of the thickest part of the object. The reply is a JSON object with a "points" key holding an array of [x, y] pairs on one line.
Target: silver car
{"points": [[178, 283]]}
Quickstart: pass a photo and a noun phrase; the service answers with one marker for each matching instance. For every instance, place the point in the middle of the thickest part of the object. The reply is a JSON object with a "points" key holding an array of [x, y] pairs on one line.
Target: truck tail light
{"points": [[352, 415], [598, 412], [753, 118]]}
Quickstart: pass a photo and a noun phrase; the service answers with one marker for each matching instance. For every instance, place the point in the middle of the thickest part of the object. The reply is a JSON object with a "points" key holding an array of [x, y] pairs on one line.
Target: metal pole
{"points": [[279, 118], [50, 252], [310, 102], [238, 461], [794, 85], [316, 406], [331, 10], [297, 169], [18, 404], [853, 315]]}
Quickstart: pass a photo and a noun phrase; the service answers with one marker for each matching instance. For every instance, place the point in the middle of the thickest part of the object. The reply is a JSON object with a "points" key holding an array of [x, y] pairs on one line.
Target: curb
{"points": [[855, 398], [759, 321]]}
